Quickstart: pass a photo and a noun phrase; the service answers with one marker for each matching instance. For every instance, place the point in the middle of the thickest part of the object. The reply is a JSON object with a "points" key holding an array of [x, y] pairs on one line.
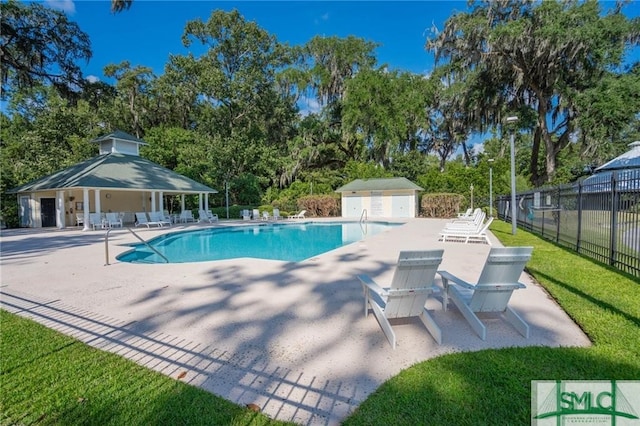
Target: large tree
{"points": [[537, 55], [40, 46]]}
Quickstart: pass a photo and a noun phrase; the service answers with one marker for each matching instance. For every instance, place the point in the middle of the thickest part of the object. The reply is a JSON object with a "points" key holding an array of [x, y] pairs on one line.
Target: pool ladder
{"points": [[363, 219], [363, 216], [106, 246]]}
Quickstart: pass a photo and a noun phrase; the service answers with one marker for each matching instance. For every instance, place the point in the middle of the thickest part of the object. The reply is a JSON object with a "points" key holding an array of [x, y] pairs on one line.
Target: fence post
{"points": [[558, 213], [614, 219], [579, 230]]}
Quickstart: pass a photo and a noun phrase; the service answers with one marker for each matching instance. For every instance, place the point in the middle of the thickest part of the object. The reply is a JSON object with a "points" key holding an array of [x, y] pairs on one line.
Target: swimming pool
{"points": [[287, 242]]}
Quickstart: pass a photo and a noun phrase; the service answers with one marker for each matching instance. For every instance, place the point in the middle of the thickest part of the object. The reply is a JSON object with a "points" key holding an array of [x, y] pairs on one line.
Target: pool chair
{"points": [[474, 223], [255, 214], [141, 219], [498, 279], [96, 221], [465, 215], [186, 216], [158, 217], [245, 215], [470, 235], [265, 215], [299, 215], [412, 284], [114, 220], [207, 216], [276, 214]]}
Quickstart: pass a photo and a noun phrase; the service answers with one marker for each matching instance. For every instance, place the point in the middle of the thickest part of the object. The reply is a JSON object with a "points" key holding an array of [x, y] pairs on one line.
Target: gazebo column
{"points": [[182, 203], [85, 212], [96, 197], [206, 202], [153, 201], [161, 202], [61, 216], [199, 201]]}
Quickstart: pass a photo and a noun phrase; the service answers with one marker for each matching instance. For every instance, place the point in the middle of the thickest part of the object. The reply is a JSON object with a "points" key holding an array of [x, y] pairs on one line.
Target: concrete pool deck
{"points": [[289, 337]]}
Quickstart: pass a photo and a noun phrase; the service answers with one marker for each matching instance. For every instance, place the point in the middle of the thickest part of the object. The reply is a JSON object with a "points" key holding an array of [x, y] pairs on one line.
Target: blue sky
{"points": [[148, 32]]}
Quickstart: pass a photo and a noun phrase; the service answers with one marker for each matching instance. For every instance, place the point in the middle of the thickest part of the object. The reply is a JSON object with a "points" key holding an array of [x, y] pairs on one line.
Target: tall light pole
{"points": [[512, 120], [490, 161]]}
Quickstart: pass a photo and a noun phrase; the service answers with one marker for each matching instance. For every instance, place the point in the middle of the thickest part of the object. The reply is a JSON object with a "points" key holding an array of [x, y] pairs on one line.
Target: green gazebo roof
{"points": [[119, 172]]}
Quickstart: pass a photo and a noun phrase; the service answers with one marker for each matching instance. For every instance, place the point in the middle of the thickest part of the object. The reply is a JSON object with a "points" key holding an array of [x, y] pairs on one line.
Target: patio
{"points": [[289, 337]]}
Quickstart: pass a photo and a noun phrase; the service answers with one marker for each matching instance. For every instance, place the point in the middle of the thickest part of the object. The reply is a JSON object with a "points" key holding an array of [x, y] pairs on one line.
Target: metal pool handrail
{"points": [[106, 246]]}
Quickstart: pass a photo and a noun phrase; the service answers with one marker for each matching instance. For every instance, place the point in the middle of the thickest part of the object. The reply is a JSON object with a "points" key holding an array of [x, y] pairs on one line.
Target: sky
{"points": [[148, 32], [151, 30]]}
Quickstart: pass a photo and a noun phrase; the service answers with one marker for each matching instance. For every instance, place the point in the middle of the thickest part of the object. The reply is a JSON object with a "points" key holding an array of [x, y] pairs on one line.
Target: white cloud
{"points": [[308, 106], [322, 18], [67, 6], [92, 79]]}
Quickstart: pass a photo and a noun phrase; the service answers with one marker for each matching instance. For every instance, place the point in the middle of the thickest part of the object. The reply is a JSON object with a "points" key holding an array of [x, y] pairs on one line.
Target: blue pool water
{"points": [[287, 242]]}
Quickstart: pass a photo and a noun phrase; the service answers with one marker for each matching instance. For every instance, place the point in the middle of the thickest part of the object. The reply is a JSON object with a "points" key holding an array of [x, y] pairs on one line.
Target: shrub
{"points": [[320, 205], [441, 205]]}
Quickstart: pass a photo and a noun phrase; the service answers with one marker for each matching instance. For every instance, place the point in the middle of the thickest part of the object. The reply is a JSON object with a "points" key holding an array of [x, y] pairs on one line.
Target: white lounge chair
{"points": [[96, 221], [141, 219], [412, 283], [114, 220], [475, 223], [186, 216], [79, 219], [245, 214], [276, 214], [467, 235], [158, 217], [498, 279], [299, 215], [265, 215], [255, 215], [466, 214], [207, 216]]}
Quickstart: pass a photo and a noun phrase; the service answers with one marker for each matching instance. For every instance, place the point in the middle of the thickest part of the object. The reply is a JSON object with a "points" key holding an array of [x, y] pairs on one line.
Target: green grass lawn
{"points": [[48, 378]]}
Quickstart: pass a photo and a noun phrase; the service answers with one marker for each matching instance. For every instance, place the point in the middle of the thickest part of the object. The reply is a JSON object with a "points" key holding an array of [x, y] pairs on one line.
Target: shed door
{"points": [[401, 206], [48, 212], [25, 212], [352, 206]]}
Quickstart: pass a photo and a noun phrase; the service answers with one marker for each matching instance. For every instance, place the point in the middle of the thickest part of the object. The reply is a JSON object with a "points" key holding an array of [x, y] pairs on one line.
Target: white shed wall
{"points": [[390, 204]]}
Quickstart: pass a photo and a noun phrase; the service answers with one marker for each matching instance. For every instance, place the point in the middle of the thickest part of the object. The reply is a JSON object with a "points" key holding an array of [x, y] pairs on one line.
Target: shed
{"points": [[383, 197], [118, 179]]}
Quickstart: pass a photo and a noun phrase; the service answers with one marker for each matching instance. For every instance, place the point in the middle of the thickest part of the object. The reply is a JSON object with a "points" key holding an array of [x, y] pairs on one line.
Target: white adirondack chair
{"points": [[412, 283], [498, 280]]}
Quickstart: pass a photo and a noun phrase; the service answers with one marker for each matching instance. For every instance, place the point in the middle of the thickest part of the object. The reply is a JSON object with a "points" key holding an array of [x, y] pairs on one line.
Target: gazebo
{"points": [[116, 180], [624, 170]]}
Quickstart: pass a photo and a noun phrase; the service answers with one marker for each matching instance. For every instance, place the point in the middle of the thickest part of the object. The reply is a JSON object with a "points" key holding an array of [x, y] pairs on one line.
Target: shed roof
{"points": [[379, 184], [116, 171]]}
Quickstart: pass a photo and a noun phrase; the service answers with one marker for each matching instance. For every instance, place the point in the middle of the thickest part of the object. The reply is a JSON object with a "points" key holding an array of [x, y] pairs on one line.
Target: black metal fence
{"points": [[598, 217]]}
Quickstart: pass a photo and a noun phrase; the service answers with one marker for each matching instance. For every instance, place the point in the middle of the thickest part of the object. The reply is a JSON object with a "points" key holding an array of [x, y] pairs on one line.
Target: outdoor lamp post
{"points": [[490, 161], [513, 120]]}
